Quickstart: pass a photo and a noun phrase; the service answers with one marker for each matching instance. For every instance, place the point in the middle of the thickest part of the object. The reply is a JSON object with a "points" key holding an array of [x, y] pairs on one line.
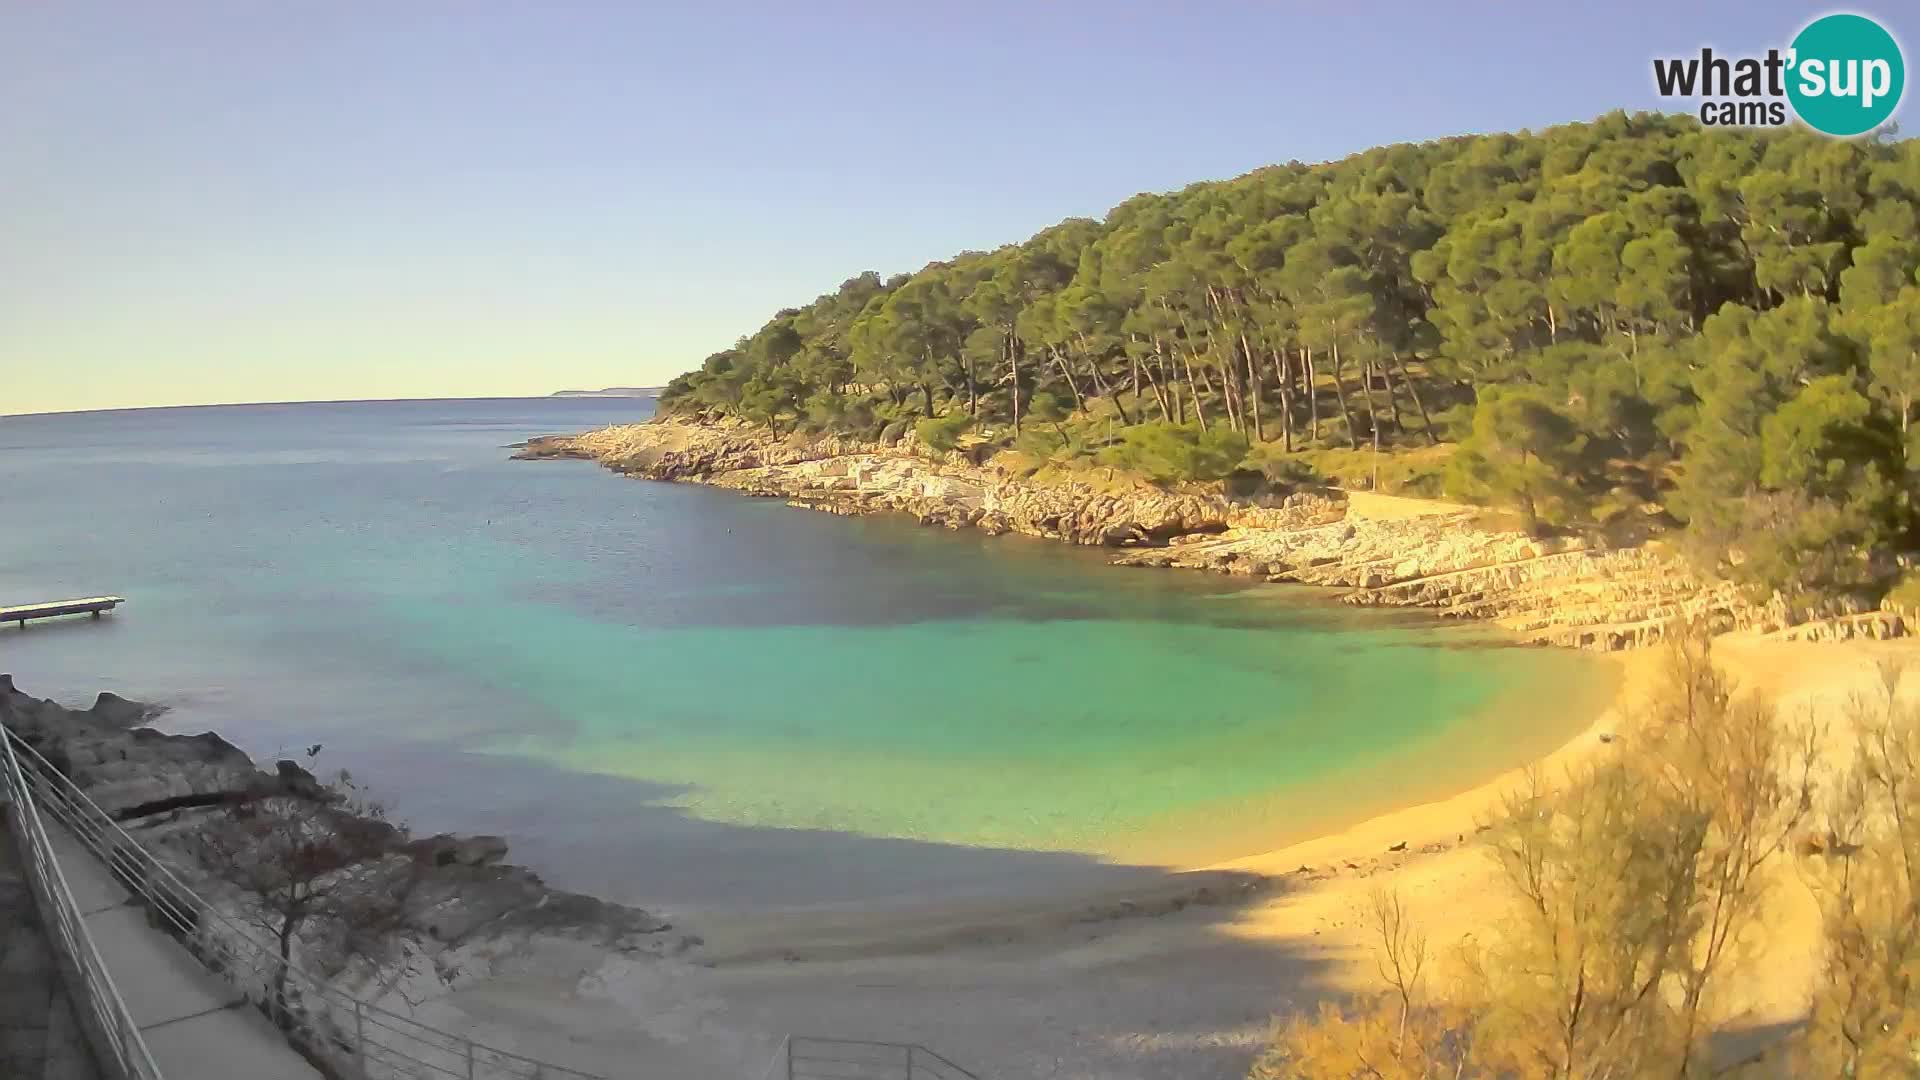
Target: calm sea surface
{"points": [[682, 697]]}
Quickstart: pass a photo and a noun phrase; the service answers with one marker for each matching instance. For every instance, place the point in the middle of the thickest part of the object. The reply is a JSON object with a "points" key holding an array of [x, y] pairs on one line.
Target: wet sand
{"points": [[1150, 986]]}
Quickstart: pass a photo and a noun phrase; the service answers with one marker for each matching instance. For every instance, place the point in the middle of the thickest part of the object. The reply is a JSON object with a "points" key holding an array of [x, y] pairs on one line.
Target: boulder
{"points": [[111, 708], [446, 849], [458, 898]]}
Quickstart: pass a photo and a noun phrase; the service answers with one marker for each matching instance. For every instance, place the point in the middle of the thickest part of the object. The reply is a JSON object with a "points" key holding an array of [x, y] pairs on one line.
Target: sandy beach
{"points": [[1148, 987], [1180, 978]]}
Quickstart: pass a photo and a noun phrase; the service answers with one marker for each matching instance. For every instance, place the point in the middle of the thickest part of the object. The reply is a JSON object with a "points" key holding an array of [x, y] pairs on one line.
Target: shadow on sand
{"points": [[1013, 963]]}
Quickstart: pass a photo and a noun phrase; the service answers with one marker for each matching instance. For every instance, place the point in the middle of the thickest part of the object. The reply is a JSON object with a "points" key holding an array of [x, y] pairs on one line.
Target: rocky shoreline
{"points": [[1563, 591], [466, 913]]}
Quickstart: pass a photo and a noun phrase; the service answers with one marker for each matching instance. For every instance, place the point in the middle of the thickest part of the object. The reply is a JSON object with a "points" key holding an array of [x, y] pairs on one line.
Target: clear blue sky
{"points": [[269, 201]]}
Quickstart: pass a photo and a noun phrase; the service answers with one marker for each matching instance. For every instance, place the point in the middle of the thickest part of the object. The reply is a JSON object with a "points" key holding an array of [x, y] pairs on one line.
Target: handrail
{"points": [[117, 1043], [354, 1037], [812, 1058]]}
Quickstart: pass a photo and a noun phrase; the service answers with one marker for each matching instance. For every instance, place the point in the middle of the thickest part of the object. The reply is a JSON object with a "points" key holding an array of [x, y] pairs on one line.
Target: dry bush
{"points": [[298, 855], [1634, 885], [1398, 1034], [1865, 1020]]}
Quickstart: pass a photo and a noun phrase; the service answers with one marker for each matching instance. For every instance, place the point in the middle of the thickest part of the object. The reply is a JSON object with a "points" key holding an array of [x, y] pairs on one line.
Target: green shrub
{"points": [[1176, 453], [1416, 471], [1289, 471], [825, 410], [1526, 454], [1047, 444], [1905, 595], [943, 432]]}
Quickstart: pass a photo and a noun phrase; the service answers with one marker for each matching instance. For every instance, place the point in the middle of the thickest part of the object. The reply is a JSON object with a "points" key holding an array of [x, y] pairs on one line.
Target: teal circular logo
{"points": [[1846, 75]]}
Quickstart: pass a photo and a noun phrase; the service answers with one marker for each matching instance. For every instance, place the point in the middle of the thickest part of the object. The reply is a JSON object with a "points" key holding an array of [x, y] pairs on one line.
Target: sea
{"points": [[688, 699]]}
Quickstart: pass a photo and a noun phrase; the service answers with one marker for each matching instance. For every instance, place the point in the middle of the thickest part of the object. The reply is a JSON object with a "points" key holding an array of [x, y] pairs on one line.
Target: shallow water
{"points": [[679, 696]]}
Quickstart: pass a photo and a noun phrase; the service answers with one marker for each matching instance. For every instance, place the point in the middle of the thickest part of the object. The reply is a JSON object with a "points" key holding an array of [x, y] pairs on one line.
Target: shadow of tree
{"points": [[1013, 963]]}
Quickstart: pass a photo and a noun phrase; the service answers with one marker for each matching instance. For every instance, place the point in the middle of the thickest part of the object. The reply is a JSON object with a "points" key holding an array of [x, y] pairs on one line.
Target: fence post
{"points": [[789, 1057], [469, 1059], [360, 1038]]}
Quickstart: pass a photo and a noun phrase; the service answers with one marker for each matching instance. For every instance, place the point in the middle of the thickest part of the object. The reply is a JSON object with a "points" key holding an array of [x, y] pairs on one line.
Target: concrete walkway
{"points": [[195, 1024], [39, 1036]]}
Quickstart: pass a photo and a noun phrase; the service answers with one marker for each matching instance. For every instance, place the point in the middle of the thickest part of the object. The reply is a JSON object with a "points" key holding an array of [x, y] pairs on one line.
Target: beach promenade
{"points": [[194, 1023]]}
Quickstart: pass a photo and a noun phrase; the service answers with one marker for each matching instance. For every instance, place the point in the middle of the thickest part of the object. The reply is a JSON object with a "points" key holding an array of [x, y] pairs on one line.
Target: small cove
{"points": [[674, 695]]}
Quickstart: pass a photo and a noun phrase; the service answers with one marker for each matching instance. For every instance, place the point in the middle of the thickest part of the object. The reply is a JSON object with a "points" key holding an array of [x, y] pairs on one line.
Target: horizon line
{"points": [[560, 395]]}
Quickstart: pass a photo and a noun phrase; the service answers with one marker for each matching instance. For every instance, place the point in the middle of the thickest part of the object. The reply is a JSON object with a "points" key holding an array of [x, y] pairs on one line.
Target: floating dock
{"points": [[91, 605]]}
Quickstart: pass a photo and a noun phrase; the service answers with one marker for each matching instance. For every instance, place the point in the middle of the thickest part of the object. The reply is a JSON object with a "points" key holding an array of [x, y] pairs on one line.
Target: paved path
{"points": [[194, 1022], [39, 1038]]}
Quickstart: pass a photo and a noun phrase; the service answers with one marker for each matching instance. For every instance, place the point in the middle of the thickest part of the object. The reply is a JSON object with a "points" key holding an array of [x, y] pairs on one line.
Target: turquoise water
{"points": [[675, 695]]}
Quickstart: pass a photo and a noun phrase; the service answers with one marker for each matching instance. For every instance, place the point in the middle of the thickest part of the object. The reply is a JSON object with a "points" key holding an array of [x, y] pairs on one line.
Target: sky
{"points": [[206, 202]]}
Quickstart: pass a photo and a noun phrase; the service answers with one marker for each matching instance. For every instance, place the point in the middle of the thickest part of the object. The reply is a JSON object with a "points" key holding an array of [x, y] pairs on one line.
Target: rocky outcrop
{"points": [[679, 450], [1563, 591], [847, 476], [1870, 625], [461, 908], [549, 446], [121, 766]]}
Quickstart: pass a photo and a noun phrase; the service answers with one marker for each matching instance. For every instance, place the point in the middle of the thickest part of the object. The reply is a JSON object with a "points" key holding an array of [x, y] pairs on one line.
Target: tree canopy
{"points": [[1704, 327]]}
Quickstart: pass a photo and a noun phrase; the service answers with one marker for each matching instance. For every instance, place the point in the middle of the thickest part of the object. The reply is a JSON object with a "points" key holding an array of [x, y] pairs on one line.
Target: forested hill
{"points": [[1631, 322]]}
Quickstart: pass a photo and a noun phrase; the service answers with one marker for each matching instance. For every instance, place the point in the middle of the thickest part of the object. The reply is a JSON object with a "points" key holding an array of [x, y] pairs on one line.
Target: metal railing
{"points": [[350, 1037], [808, 1058], [117, 1045]]}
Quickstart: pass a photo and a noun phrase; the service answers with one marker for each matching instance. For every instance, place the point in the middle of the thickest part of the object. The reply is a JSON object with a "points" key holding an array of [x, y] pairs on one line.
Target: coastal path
{"points": [[194, 1022]]}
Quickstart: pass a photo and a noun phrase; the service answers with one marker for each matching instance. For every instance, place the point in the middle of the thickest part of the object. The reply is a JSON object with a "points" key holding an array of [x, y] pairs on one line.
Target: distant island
{"points": [[612, 391]]}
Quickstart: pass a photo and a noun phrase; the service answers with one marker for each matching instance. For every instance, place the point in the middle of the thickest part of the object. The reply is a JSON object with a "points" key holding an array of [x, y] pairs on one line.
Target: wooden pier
{"points": [[91, 605]]}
